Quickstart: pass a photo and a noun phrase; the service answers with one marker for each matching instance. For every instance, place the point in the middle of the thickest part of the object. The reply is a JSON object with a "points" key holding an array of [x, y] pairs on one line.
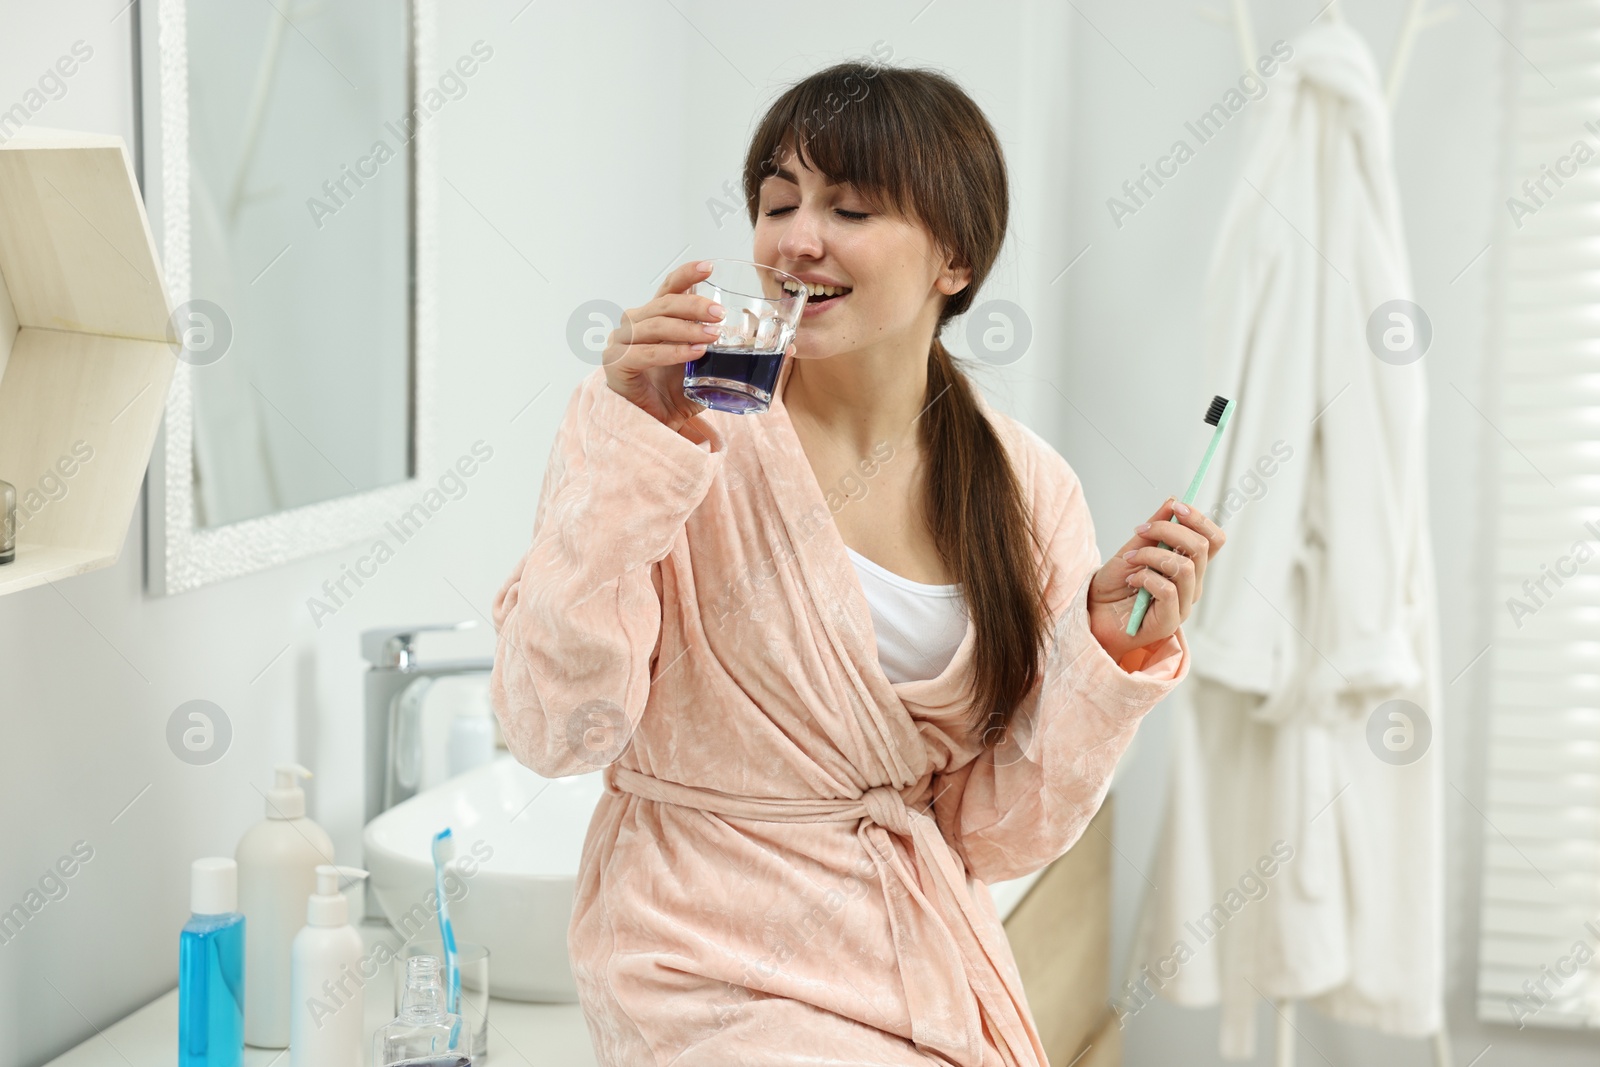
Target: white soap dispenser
{"points": [[327, 1009], [471, 736], [278, 859]]}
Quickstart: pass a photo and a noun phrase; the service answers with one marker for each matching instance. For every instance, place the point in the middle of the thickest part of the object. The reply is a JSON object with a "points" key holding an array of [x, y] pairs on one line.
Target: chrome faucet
{"points": [[395, 689]]}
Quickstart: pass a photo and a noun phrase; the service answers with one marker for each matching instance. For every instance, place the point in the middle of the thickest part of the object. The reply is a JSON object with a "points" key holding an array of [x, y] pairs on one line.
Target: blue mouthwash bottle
{"points": [[211, 969]]}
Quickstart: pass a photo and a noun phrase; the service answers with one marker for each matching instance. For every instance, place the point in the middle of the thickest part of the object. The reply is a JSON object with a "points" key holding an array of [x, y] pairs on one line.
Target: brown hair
{"points": [[912, 139]]}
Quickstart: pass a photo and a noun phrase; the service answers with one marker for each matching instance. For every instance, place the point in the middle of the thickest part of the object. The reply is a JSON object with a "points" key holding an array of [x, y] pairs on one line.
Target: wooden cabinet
{"points": [[1061, 935]]}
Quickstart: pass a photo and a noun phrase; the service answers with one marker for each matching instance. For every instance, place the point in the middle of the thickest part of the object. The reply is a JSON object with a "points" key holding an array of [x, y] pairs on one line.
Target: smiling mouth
{"points": [[819, 294]]}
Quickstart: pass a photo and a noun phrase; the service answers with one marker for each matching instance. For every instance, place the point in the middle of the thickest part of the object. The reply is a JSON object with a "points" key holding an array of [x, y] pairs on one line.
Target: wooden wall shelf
{"points": [[85, 361]]}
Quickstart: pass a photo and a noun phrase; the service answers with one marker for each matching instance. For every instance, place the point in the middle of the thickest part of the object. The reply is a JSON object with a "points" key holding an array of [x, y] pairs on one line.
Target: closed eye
{"points": [[854, 216]]}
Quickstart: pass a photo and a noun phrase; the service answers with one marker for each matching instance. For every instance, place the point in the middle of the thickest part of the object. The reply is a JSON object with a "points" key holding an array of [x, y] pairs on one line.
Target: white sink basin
{"points": [[528, 832]]}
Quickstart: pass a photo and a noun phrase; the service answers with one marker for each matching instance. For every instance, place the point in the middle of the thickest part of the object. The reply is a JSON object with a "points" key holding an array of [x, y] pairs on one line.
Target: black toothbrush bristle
{"points": [[1219, 404]]}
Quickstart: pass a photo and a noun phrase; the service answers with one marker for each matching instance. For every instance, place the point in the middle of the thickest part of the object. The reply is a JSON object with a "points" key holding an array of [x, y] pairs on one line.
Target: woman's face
{"points": [[830, 234]]}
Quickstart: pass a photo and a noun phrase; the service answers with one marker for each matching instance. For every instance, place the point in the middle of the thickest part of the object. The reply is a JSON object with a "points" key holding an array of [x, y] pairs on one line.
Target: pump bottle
{"points": [[326, 1002], [278, 860]]}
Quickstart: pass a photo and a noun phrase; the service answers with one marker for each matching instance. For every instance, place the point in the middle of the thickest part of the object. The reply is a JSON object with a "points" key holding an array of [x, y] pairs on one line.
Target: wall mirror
{"points": [[289, 171]]}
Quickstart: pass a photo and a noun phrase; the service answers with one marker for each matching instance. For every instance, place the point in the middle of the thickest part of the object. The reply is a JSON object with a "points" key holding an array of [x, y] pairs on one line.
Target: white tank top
{"points": [[919, 627]]}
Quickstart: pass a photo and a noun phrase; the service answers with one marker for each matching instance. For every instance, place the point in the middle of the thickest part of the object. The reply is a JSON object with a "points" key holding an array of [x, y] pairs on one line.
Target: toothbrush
{"points": [[444, 850], [1217, 415]]}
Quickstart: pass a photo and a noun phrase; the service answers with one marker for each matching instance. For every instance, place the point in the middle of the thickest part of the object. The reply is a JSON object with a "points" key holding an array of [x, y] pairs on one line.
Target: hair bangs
{"points": [[846, 124]]}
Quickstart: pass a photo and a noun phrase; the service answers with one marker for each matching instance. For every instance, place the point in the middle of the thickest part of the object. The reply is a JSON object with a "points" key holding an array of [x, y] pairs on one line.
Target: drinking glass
{"points": [[739, 369]]}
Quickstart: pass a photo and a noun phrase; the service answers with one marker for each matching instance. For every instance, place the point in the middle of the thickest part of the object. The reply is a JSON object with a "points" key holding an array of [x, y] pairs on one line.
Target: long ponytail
{"points": [[983, 530]]}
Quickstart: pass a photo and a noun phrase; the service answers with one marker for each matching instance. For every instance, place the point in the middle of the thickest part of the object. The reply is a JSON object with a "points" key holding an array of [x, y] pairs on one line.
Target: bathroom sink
{"points": [[527, 832]]}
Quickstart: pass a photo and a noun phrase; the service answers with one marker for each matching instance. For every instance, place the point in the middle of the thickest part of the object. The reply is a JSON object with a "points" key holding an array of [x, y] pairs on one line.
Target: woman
{"points": [[845, 661]]}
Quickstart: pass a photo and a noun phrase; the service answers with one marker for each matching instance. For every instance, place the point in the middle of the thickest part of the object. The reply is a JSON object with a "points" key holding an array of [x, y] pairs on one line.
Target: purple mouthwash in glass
{"points": [[739, 369], [733, 379]]}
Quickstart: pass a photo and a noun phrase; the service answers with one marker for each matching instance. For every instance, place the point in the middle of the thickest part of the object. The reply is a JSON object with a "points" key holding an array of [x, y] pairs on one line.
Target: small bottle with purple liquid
{"points": [[423, 1034]]}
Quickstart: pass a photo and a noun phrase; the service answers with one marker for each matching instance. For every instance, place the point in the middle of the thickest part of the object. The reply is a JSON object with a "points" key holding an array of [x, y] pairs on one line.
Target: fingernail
{"points": [[1128, 555], [697, 348], [1181, 508], [713, 330], [703, 266], [717, 311], [1141, 528]]}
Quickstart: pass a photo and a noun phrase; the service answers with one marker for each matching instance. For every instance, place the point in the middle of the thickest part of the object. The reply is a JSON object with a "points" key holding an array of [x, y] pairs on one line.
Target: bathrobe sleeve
{"points": [[578, 621], [1019, 805]]}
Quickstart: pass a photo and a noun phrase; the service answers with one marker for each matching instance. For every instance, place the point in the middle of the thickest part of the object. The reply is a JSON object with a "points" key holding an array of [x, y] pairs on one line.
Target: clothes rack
{"points": [[1419, 17]]}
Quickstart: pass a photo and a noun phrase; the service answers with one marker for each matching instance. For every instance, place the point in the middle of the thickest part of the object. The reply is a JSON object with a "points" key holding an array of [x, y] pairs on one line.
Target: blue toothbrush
{"points": [[1217, 415], [444, 848]]}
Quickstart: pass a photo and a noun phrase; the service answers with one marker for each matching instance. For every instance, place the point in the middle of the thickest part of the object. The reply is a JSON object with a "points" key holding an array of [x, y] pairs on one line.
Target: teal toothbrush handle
{"points": [[1142, 603]]}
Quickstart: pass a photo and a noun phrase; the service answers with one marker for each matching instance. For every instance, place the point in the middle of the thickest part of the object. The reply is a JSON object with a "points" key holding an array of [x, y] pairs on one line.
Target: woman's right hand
{"points": [[645, 354]]}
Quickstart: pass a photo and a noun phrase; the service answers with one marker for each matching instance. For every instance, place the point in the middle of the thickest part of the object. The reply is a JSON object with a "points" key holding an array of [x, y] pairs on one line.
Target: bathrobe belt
{"points": [[932, 918]]}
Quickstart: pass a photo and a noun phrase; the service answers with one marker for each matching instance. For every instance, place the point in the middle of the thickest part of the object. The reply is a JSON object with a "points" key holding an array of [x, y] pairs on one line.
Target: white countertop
{"points": [[518, 1032]]}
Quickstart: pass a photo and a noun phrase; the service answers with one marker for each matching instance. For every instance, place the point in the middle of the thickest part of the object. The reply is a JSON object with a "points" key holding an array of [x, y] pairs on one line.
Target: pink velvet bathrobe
{"points": [[789, 863]]}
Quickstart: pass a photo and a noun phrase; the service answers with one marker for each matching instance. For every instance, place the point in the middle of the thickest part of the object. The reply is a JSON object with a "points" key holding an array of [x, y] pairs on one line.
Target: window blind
{"points": [[1540, 920]]}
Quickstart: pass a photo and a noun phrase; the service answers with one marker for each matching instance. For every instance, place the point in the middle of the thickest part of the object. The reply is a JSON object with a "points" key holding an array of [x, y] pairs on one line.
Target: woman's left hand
{"points": [[1173, 576]]}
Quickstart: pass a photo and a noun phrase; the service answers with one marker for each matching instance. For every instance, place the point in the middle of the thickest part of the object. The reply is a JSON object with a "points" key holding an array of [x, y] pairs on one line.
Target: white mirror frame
{"points": [[178, 556]]}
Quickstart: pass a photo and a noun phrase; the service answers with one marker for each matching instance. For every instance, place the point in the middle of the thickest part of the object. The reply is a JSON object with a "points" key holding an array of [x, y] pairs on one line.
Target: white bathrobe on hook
{"points": [[1323, 608]]}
